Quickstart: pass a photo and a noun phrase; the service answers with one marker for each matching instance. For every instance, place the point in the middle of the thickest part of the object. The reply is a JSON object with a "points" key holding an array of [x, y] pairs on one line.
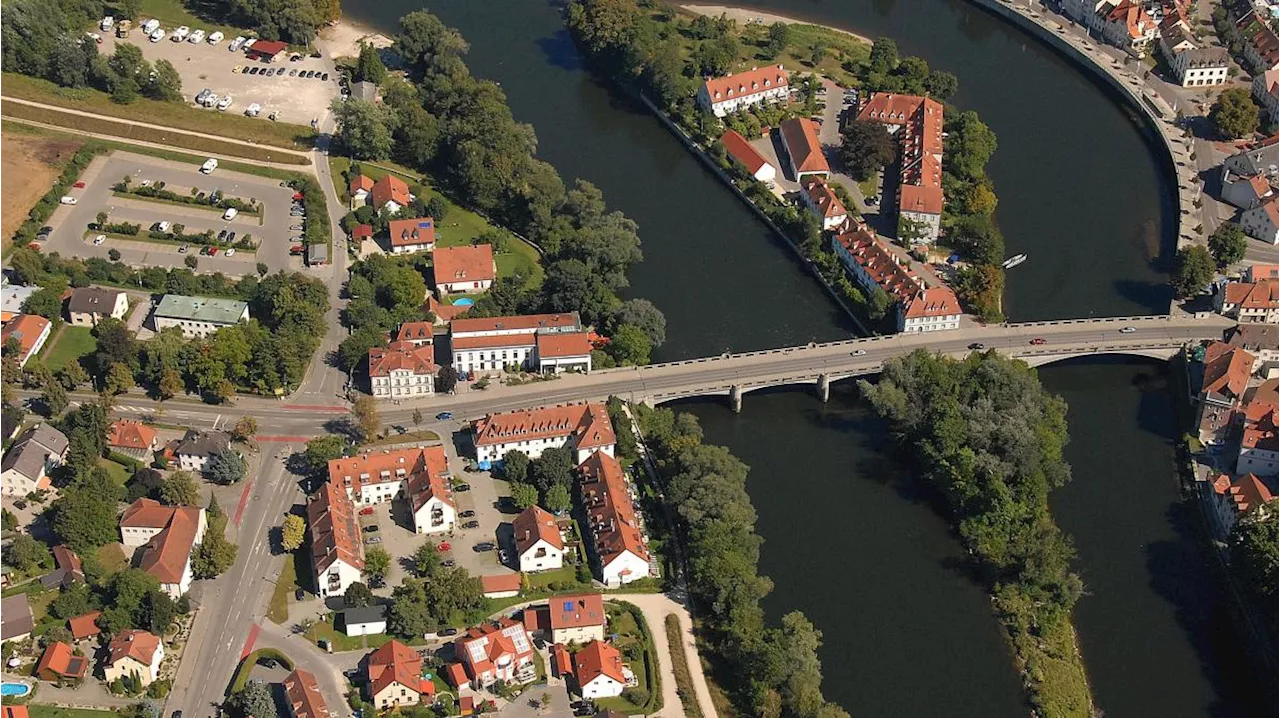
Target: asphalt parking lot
{"points": [[211, 66], [71, 236]]}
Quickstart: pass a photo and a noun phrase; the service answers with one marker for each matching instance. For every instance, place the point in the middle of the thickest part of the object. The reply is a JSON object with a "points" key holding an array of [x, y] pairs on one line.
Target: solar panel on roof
{"points": [[425, 225], [568, 605]]}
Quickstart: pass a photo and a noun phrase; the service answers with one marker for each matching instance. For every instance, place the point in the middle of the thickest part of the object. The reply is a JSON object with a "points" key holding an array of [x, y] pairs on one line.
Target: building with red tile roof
{"points": [[85, 625], [266, 50], [390, 193], [394, 673], [917, 124], [456, 675], [134, 652], [132, 438], [14, 712], [822, 201], [337, 549], [30, 331], [1225, 379], [576, 618], [412, 235], [533, 342], [561, 661], [804, 151], [919, 307], [584, 428], [617, 543], [496, 651], [741, 150], [67, 571], [537, 538], [1260, 429], [1263, 222], [469, 270], [302, 694], [60, 664], [501, 585], [359, 188], [1128, 26], [361, 232], [757, 86], [402, 370], [415, 474], [1235, 498], [416, 333], [445, 313], [598, 671], [167, 535]]}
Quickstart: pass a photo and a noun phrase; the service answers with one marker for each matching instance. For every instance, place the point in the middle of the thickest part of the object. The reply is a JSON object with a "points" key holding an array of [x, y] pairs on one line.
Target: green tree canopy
{"points": [[1193, 269], [865, 148], [1233, 114], [1227, 244]]}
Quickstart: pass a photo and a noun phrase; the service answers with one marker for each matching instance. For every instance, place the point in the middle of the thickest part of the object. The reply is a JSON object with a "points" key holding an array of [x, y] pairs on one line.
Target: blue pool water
{"points": [[464, 302], [14, 689]]}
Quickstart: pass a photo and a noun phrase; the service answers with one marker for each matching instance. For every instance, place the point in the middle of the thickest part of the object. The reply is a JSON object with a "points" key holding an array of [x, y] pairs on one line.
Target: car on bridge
{"points": [[857, 352], [1128, 330], [1037, 341]]}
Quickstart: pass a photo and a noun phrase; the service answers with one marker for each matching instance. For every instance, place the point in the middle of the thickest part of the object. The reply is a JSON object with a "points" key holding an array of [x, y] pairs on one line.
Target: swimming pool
{"points": [[14, 689]]}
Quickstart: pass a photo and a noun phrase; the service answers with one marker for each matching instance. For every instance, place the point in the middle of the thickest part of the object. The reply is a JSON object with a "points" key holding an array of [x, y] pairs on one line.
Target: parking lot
{"points": [[208, 66], [71, 236]]}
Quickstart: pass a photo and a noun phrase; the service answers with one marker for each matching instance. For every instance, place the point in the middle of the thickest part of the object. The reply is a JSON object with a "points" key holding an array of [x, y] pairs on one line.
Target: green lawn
{"points": [[172, 13], [119, 472], [341, 641], [543, 579], [69, 345], [112, 559], [278, 609], [624, 624], [404, 438], [39, 711]]}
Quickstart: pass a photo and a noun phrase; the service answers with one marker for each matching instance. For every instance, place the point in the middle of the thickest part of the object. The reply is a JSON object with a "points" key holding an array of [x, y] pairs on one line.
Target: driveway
{"points": [[70, 222]]}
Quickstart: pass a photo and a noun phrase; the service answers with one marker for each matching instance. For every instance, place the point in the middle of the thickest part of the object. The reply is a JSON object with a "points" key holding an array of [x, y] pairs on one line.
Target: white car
{"points": [[236, 44], [209, 166], [253, 110], [231, 252], [196, 38], [224, 103], [107, 23], [230, 213], [99, 239], [248, 43], [157, 35], [68, 200], [858, 352], [1128, 330], [150, 26], [215, 38], [181, 33]]}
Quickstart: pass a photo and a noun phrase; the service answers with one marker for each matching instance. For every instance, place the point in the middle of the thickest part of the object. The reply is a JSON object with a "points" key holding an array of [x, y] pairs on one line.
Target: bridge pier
{"points": [[824, 387], [735, 399]]}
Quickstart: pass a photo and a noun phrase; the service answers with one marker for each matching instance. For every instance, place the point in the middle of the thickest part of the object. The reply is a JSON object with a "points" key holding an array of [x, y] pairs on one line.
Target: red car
{"points": [[213, 251], [444, 546], [297, 196], [1037, 341], [366, 511], [78, 185]]}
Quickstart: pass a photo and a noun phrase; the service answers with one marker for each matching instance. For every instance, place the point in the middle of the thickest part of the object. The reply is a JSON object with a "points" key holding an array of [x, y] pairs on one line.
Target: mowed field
{"points": [[28, 167]]}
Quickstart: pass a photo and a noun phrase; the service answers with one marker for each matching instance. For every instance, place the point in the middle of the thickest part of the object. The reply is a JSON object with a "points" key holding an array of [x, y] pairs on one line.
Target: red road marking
{"points": [[283, 439], [248, 642], [308, 407], [244, 501]]}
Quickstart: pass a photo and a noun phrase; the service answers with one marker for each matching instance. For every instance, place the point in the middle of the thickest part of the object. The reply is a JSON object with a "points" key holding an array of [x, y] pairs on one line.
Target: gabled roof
{"points": [[428, 483], [742, 151], [1245, 492], [15, 616], [932, 302], [390, 189], [576, 611], [26, 328], [822, 197], [416, 332], [483, 647], [1254, 337], [302, 693], [464, 264], [394, 662], [138, 645], [361, 182], [745, 84], [95, 300], [166, 555], [563, 344], [597, 659], [203, 443], [334, 532], [500, 583], [364, 614], [130, 435], [523, 323], [31, 451], [612, 519], [85, 626], [409, 232], [801, 139], [402, 356], [1226, 370], [533, 525], [587, 424], [59, 658]]}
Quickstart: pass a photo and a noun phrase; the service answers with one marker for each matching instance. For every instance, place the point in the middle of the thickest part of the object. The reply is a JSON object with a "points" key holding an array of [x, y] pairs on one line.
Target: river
{"points": [[1080, 192]]}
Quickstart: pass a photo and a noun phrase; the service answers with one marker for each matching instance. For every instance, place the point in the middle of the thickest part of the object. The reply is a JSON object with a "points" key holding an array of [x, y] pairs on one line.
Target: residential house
{"points": [[1258, 439], [412, 235], [822, 201], [302, 695], [364, 620], [418, 334], [133, 439], [165, 537], [1226, 376], [430, 500], [416, 475], [1263, 222], [36, 452], [1233, 499], [67, 571], [359, 189], [742, 151], [502, 585], [1200, 66], [919, 307], [616, 541], [533, 342], [576, 619], [59, 664], [469, 270], [537, 538], [390, 194], [16, 621], [1261, 44], [85, 625], [583, 428], [804, 151], [1266, 91], [757, 86], [30, 331], [12, 297], [197, 449], [917, 124], [1261, 340], [198, 316], [361, 232], [134, 652], [597, 668], [1246, 192], [394, 673], [496, 651], [1128, 26], [402, 370], [1248, 302], [337, 550], [1255, 159], [89, 305]]}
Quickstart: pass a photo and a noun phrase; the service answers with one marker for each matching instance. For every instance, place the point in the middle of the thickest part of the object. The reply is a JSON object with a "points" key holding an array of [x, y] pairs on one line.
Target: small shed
{"points": [[267, 50], [317, 254], [365, 90], [361, 232], [364, 621]]}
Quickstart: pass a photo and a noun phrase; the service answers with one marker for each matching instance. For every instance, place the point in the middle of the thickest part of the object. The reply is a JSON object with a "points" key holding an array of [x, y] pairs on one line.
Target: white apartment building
{"points": [[402, 370], [198, 316], [337, 549], [584, 428], [531, 342], [723, 95]]}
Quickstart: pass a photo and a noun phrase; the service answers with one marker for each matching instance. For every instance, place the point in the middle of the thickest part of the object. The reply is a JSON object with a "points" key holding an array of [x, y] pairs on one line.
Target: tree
{"points": [[44, 302], [426, 560], [1234, 115], [170, 384], [1253, 550], [884, 55], [323, 449], [779, 38], [417, 420], [515, 466], [409, 615], [524, 495], [254, 700], [358, 595], [292, 532], [226, 467], [262, 268], [215, 554], [165, 84], [114, 254], [244, 428], [446, 379], [1193, 269], [365, 412], [26, 554], [557, 499], [1228, 244], [55, 399], [75, 600], [643, 314], [554, 466], [84, 517], [119, 378], [180, 489], [941, 85], [865, 148], [369, 67], [878, 303], [191, 261], [364, 128], [376, 564], [629, 345]]}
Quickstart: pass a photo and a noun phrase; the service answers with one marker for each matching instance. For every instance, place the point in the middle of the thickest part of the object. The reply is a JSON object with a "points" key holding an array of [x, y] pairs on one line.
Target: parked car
{"points": [[295, 228], [502, 555], [215, 38], [325, 76], [252, 70], [371, 529], [295, 250], [222, 235], [181, 33], [293, 72], [299, 595], [471, 525], [230, 214], [78, 185], [467, 514], [231, 236], [1037, 342], [157, 35], [196, 38], [68, 200], [183, 249], [448, 632], [236, 44], [44, 232], [462, 487], [99, 239], [482, 547], [213, 251], [231, 252], [224, 103], [373, 539], [366, 511]]}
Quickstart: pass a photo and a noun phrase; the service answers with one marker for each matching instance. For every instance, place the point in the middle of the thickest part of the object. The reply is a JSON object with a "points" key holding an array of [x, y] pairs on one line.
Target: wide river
{"points": [[906, 632]]}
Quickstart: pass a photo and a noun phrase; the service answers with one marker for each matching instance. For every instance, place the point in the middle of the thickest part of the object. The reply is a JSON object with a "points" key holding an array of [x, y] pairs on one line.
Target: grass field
{"points": [[278, 608], [119, 472], [112, 558], [30, 167], [341, 641], [178, 115], [39, 711], [172, 13], [680, 666], [70, 344]]}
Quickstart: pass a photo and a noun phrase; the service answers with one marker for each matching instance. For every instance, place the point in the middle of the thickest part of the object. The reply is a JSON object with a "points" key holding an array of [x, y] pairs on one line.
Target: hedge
{"points": [[241, 677]]}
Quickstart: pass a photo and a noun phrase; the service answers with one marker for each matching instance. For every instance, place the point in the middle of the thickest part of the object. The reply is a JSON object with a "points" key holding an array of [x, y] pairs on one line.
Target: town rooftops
{"points": [[1272, 208], [15, 617], [587, 424], [67, 568], [203, 443], [574, 344], [85, 625], [59, 659], [611, 515], [27, 329], [30, 452], [526, 323], [402, 356], [302, 693], [394, 662], [211, 310], [887, 272], [823, 197], [534, 524], [801, 139], [165, 556], [1135, 20], [494, 643], [130, 435], [408, 232], [416, 332], [1254, 337], [390, 189], [93, 300], [500, 583], [1252, 295], [362, 231], [1245, 492], [741, 150], [12, 297], [335, 536], [932, 302], [138, 645], [463, 264], [577, 611], [1226, 370], [361, 183], [597, 659], [745, 84]]}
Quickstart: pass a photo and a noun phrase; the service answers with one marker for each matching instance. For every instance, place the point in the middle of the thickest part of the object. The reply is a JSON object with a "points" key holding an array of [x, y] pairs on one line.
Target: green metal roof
{"points": [[201, 309]]}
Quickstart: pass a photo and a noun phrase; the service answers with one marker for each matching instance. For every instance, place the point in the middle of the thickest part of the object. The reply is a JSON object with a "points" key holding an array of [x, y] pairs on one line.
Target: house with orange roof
{"points": [[575, 618], [469, 270], [132, 438], [418, 334], [916, 122], [60, 664], [501, 585], [407, 236], [1246, 192], [1262, 340], [597, 669], [29, 332], [1235, 498], [1128, 26], [417, 475], [85, 625], [337, 548], [1263, 222], [26, 466], [539, 546], [134, 652], [757, 86], [390, 194], [741, 150], [531, 342], [616, 543], [359, 189], [1258, 439], [803, 150], [1226, 377], [444, 313], [584, 428], [919, 307], [165, 537], [1249, 302], [496, 651], [394, 673], [402, 370], [822, 201], [302, 695]]}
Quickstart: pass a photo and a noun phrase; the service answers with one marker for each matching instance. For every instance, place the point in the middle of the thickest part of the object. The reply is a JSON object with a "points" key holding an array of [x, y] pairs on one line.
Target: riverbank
{"points": [[342, 38], [747, 17]]}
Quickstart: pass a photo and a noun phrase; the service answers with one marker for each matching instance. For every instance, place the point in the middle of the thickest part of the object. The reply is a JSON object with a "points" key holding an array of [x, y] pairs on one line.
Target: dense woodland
{"points": [[986, 436]]}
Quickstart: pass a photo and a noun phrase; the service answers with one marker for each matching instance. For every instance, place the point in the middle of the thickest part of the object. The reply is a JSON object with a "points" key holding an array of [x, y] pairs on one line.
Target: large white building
{"points": [[402, 370], [31, 457], [757, 86], [1191, 64], [916, 122], [1260, 431], [537, 538], [337, 550], [531, 342], [920, 308], [417, 475], [165, 537], [198, 316], [583, 428]]}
